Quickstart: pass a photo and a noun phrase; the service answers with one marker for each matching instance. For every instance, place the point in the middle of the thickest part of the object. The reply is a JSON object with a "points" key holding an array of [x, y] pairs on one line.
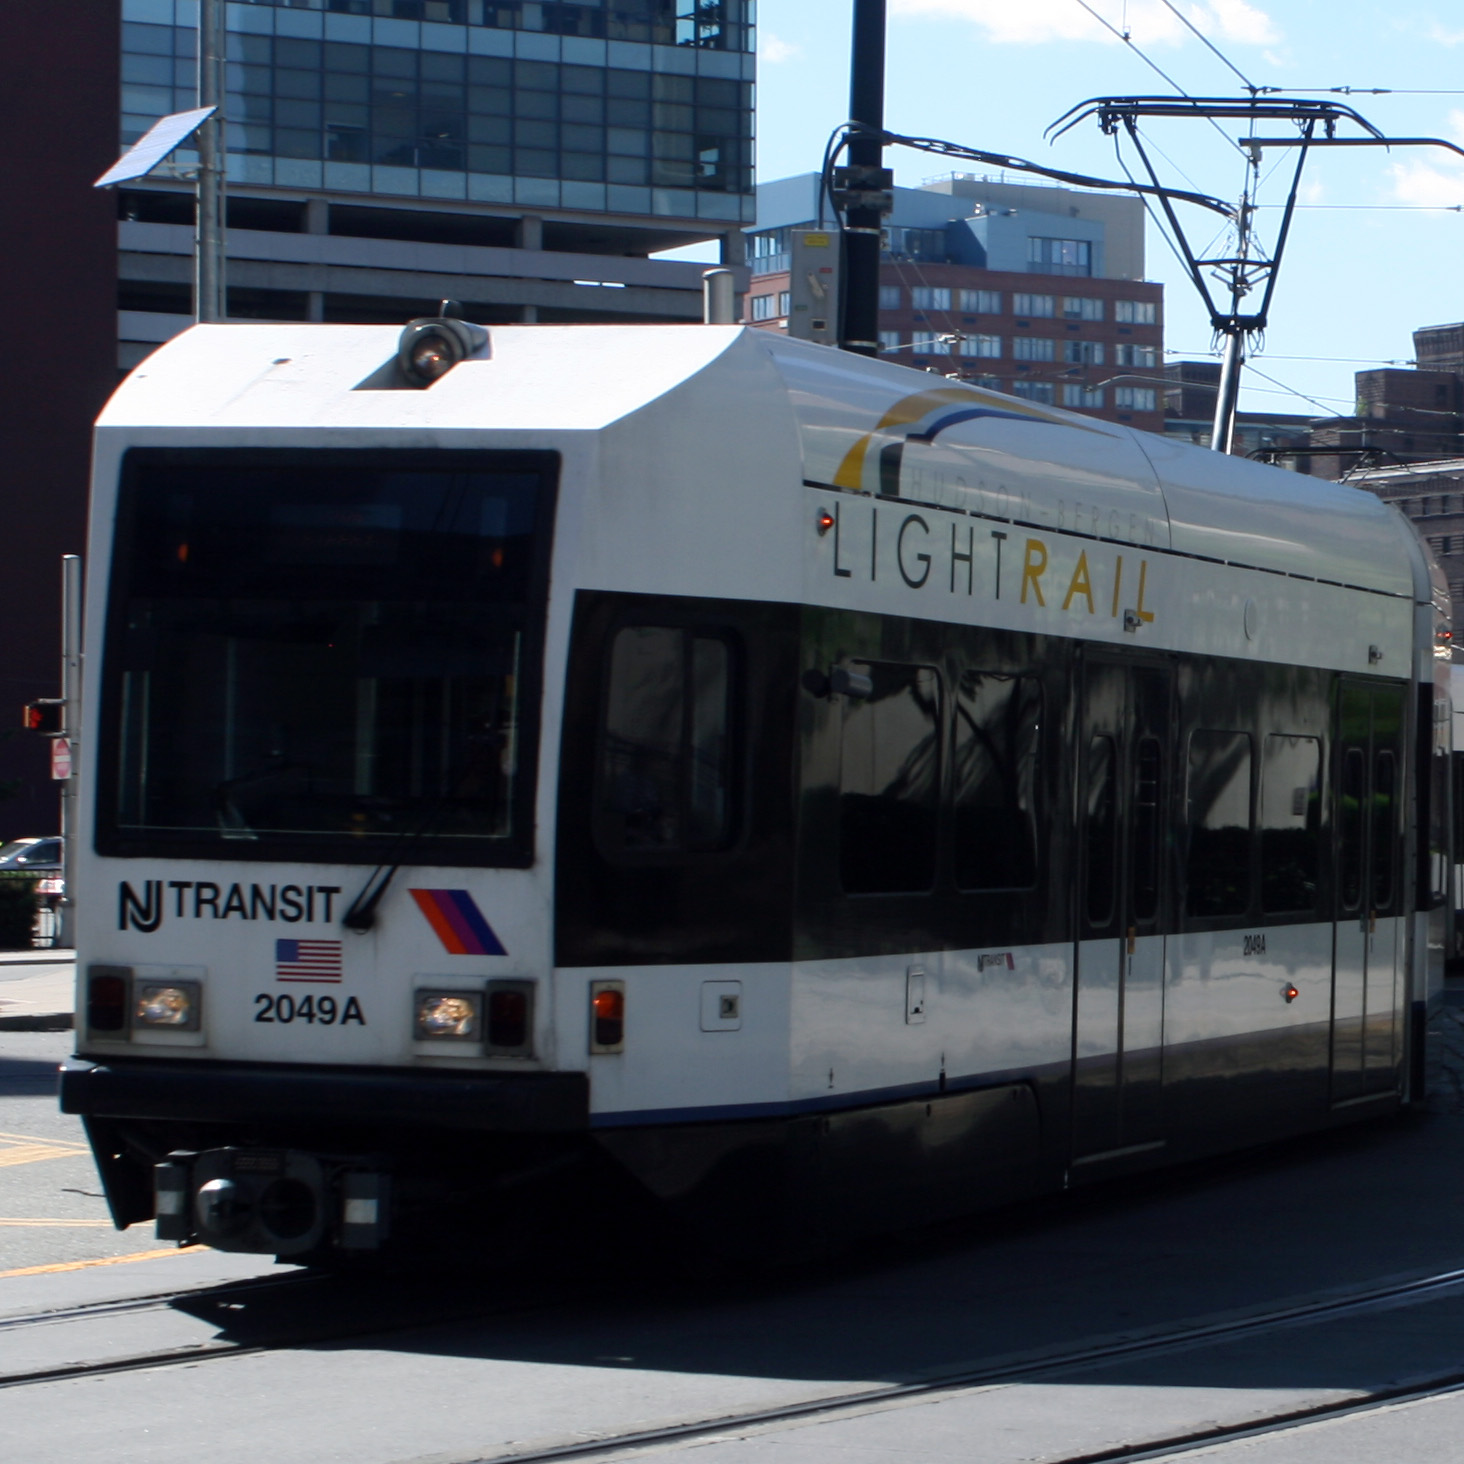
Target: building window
{"points": [[1134, 398], [1033, 348], [930, 297], [1081, 307], [785, 302], [889, 342], [1059, 256], [1082, 396], [889, 297], [1130, 355], [764, 307], [1034, 391], [399, 106], [1083, 353], [981, 302], [1134, 312], [986, 347], [1040, 307]]}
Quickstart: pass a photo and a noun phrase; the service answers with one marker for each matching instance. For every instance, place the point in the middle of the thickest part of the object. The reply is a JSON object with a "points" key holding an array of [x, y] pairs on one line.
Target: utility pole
{"points": [[864, 182], [71, 730], [209, 290]]}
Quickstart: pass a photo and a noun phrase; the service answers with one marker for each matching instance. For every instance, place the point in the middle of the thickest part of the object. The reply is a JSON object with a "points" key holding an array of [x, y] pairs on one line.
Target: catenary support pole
{"points": [[209, 290], [1222, 433], [863, 225]]}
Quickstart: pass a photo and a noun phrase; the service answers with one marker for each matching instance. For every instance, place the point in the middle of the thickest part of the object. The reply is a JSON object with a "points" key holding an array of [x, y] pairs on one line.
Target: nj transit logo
{"points": [[459, 923]]}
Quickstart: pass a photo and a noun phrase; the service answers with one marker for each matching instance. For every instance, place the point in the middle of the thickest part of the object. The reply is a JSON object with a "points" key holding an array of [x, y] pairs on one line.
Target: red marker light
{"points": [[825, 521], [607, 1017], [1291, 994]]}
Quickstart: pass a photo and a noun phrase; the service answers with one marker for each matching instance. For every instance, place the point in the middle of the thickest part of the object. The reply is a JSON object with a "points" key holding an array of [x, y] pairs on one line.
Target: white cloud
{"points": [[1149, 22], [1432, 179], [1236, 21], [1423, 184], [773, 50], [1444, 37]]}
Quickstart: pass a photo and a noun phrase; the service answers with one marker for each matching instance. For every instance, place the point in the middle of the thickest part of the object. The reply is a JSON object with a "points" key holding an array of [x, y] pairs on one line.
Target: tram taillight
{"points": [[106, 998], [510, 1018]]}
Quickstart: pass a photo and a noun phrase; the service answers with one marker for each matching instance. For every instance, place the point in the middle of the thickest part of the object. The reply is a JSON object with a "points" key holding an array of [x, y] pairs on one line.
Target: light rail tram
{"points": [[691, 762]]}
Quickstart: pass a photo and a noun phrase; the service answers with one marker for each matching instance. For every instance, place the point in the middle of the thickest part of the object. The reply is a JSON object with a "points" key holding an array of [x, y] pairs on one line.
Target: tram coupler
{"points": [[271, 1201]]}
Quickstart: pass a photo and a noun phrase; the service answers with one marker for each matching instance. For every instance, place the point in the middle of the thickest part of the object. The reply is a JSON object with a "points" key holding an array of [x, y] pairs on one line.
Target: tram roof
{"points": [[548, 378]]}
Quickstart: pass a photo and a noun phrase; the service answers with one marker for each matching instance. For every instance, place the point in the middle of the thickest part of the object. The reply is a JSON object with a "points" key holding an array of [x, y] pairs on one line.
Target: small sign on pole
{"points": [[60, 759]]}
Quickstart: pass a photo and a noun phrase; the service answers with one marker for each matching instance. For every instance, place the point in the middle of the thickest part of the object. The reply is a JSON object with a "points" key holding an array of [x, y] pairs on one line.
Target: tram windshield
{"points": [[325, 655]]}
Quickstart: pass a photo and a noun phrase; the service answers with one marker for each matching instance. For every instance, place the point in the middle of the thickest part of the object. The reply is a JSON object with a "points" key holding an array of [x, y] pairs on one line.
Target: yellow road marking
{"points": [[24, 1149], [104, 1261], [56, 1222]]}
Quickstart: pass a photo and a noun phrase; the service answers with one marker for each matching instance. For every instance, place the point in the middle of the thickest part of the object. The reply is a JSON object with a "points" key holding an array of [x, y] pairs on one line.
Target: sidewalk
{"points": [[37, 991]]}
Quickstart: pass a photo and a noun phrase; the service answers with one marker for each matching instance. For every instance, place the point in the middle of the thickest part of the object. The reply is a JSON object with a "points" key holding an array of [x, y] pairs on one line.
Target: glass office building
{"points": [[625, 107]]}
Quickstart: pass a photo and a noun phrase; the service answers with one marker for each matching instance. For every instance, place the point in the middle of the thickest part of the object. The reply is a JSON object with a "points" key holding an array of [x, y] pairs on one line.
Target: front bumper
{"points": [[195, 1092]]}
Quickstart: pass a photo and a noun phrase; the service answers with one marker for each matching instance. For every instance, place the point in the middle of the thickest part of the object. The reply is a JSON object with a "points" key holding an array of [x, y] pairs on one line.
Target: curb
{"points": [[39, 1022]]}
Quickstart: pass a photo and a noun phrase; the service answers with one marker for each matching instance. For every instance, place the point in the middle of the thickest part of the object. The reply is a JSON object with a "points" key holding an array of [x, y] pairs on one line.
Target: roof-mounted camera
{"points": [[432, 345]]}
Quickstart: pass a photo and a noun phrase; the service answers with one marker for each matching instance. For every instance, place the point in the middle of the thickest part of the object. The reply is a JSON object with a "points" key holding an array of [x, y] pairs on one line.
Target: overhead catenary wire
{"points": [[1205, 41], [1154, 66]]}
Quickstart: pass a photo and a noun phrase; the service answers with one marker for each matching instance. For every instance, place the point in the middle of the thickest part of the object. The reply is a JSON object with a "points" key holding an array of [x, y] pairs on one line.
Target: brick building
{"points": [[1034, 291]]}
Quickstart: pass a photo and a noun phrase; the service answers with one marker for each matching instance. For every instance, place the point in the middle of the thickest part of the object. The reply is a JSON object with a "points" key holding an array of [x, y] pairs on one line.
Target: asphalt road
{"points": [[556, 1356]]}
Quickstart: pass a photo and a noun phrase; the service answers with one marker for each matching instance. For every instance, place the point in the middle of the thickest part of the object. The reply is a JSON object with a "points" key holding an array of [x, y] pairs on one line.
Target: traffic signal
{"points": [[45, 716]]}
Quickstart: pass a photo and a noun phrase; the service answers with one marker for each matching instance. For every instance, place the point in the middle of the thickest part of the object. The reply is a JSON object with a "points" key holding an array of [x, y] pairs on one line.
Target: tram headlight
{"points": [[453, 1015], [168, 1005]]}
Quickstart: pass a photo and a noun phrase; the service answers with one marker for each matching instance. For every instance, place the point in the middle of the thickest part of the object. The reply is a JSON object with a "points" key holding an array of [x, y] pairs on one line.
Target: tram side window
{"points": [[1384, 838], [890, 782], [666, 758], [1291, 820], [997, 727], [1102, 830], [1148, 828], [1353, 791], [1218, 870]]}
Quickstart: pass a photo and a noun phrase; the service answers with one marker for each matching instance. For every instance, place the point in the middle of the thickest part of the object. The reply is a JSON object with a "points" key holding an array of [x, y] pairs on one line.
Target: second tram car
{"points": [[776, 778]]}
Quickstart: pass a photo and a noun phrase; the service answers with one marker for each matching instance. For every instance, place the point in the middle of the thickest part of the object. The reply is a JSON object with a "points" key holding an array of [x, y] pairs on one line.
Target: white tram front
{"points": [[784, 783]]}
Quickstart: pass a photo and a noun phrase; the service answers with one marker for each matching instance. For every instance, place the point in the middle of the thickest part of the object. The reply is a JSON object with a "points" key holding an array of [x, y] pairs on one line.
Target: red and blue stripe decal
{"points": [[459, 923]]}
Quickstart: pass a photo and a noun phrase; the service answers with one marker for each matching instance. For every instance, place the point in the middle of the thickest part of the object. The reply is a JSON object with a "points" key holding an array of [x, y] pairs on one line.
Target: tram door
{"points": [[1366, 957], [1125, 735]]}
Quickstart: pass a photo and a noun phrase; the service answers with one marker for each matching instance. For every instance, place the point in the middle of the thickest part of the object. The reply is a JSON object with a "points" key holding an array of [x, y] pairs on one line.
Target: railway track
{"points": [[1049, 1365]]}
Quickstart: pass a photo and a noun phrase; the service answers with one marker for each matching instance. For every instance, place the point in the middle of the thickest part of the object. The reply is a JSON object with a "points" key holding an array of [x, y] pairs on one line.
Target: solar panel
{"points": [[154, 145]]}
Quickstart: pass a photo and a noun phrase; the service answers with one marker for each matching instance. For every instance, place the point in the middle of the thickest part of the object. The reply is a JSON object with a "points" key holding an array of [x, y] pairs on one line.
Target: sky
{"points": [[1375, 250]]}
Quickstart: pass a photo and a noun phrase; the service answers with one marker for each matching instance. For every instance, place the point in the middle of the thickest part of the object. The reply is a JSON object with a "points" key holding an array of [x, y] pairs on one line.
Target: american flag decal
{"points": [[307, 960]]}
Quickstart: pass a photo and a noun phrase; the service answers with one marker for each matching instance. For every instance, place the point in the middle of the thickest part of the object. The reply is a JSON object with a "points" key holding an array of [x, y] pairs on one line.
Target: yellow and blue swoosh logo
{"points": [[929, 413]]}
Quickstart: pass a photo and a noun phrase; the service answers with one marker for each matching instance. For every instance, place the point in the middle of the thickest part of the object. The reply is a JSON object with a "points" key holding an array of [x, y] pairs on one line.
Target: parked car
{"points": [[33, 855]]}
